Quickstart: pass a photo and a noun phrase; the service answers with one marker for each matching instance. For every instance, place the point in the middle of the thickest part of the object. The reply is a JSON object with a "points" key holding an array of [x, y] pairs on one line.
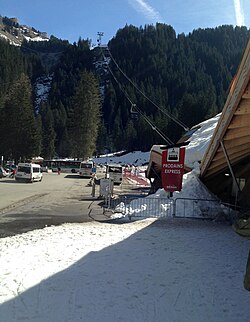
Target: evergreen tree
{"points": [[188, 75], [130, 136], [103, 139], [49, 135], [85, 119], [21, 134], [39, 135]]}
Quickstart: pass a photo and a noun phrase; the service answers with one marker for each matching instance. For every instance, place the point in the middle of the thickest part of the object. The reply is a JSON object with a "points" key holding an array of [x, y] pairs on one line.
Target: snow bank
{"points": [[200, 140], [194, 200]]}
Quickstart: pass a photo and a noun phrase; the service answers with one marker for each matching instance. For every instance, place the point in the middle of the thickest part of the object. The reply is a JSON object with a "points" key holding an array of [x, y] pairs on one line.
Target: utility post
{"points": [[99, 37]]}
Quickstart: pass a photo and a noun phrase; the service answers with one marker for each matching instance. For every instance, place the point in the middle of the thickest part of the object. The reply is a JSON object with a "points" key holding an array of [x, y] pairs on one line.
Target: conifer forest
{"points": [[147, 86]]}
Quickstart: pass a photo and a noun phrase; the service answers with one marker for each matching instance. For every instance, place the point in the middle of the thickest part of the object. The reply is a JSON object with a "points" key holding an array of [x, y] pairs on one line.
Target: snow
{"points": [[136, 158], [3, 36], [9, 40], [193, 188], [151, 269], [42, 88], [200, 140], [195, 150], [158, 204], [37, 38]]}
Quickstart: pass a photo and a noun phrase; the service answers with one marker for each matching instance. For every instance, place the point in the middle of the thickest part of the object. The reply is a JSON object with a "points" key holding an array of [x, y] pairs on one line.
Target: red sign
{"points": [[172, 168]]}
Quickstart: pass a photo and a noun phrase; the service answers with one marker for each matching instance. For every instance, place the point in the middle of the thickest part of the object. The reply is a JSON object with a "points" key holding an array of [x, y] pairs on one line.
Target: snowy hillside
{"points": [[42, 87], [136, 158], [15, 33]]}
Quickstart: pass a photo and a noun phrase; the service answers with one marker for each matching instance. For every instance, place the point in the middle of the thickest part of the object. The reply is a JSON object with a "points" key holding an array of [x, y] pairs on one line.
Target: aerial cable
{"points": [[158, 131], [173, 118], [138, 89], [154, 128]]}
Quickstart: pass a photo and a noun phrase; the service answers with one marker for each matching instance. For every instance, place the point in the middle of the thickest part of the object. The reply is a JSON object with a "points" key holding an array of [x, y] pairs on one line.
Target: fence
{"points": [[203, 208], [134, 206]]}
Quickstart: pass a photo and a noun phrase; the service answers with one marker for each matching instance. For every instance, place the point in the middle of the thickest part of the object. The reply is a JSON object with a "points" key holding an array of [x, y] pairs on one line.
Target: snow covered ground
{"points": [[147, 270], [136, 158]]}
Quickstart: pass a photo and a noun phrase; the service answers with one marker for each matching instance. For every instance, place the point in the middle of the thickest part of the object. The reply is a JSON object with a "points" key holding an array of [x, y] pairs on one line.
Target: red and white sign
{"points": [[172, 169]]}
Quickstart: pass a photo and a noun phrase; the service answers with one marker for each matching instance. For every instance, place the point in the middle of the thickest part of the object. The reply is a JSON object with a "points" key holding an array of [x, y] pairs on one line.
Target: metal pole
{"points": [[93, 190], [174, 208], [230, 169]]}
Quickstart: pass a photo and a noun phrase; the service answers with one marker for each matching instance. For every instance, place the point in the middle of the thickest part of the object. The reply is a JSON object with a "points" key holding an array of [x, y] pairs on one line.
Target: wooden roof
{"points": [[233, 128]]}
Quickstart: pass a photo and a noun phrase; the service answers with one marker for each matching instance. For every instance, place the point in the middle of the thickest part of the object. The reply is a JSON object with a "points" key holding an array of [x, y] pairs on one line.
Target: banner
{"points": [[172, 168]]}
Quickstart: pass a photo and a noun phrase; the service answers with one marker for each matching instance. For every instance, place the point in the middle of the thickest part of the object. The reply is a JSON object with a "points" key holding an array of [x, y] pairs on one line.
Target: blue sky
{"points": [[71, 19]]}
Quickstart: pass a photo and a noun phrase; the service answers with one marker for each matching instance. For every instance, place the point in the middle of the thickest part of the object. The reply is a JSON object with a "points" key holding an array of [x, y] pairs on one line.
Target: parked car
{"points": [[3, 173]]}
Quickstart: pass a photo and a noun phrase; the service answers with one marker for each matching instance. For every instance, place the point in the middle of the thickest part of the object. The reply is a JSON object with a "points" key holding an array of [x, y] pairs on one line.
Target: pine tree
{"points": [[130, 136], [85, 119], [38, 137], [21, 133], [49, 135], [103, 140]]}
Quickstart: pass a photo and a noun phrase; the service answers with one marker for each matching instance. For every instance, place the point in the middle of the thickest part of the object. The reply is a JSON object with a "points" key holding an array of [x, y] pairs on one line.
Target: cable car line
{"points": [[173, 118], [158, 131]]}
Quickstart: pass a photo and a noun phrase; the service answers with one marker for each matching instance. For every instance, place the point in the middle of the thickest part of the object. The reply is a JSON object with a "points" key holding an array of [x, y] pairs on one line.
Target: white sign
{"points": [[106, 187], [173, 155]]}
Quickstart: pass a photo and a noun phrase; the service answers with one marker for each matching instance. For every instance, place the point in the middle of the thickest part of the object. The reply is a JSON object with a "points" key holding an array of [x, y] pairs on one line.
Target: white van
{"points": [[28, 172], [114, 172], [86, 169]]}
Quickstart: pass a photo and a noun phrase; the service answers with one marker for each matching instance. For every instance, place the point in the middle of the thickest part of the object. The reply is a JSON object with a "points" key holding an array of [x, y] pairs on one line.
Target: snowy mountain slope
{"points": [[15, 33]]}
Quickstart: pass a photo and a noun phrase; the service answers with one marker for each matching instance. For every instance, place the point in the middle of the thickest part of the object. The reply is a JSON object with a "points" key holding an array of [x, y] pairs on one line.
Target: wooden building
{"points": [[225, 167]]}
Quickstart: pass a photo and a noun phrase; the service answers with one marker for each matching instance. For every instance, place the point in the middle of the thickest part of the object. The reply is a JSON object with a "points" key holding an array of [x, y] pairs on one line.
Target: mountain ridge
{"points": [[15, 33]]}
